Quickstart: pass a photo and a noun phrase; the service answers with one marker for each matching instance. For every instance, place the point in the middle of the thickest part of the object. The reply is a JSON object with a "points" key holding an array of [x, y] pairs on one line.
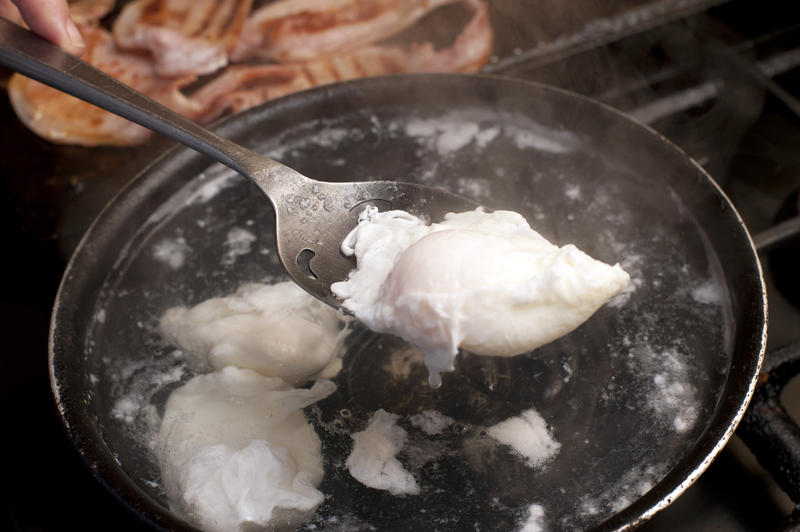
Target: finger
{"points": [[50, 19], [9, 11]]}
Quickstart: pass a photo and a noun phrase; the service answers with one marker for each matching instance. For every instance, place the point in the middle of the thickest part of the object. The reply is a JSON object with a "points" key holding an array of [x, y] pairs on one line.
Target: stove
{"points": [[719, 78]]}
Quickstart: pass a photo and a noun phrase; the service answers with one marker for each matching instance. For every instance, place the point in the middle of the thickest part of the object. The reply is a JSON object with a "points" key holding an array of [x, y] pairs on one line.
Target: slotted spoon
{"points": [[311, 217]]}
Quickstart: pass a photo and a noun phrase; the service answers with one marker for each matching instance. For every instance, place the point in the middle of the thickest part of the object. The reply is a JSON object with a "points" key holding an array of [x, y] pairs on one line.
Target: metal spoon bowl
{"points": [[311, 217]]}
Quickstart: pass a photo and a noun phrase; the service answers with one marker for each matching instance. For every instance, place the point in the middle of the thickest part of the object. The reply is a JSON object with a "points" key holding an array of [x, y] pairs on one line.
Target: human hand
{"points": [[48, 18]]}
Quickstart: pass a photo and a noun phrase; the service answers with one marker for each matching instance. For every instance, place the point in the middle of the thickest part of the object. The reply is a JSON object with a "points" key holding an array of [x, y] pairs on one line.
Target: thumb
{"points": [[50, 19]]}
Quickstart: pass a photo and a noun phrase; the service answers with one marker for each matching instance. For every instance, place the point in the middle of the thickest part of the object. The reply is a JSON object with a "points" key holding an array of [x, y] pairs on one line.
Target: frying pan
{"points": [[641, 398]]}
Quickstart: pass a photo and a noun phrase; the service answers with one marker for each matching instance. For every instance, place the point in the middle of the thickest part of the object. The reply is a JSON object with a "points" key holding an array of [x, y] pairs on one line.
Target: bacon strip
{"points": [[89, 11], [242, 87], [61, 118], [64, 119], [184, 36], [471, 49], [290, 31]]}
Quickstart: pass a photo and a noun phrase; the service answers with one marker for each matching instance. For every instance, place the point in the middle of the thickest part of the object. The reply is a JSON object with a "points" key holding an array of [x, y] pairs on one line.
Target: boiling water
{"points": [[624, 396]]}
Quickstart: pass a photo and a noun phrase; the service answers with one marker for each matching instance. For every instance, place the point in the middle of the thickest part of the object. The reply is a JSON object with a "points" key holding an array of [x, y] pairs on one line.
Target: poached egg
{"points": [[484, 282]]}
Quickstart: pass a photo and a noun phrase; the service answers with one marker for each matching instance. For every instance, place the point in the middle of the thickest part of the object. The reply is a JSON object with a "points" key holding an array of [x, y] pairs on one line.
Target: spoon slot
{"points": [[304, 262]]}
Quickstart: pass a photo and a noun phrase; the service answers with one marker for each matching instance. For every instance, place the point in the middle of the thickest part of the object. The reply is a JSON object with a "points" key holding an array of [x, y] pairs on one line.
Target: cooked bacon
{"points": [[89, 11], [64, 119], [290, 31], [471, 49], [61, 118], [241, 87], [184, 36]]}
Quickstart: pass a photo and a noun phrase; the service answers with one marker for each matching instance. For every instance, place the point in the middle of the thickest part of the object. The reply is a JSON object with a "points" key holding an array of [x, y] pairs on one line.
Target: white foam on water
{"points": [[529, 436], [431, 422], [238, 242], [172, 251], [534, 521]]}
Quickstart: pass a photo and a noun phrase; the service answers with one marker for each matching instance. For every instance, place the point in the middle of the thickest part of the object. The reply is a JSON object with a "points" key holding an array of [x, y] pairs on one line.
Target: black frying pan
{"points": [[641, 398]]}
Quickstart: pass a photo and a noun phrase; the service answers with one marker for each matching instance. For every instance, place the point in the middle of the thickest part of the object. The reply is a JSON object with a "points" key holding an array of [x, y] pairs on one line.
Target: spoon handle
{"points": [[33, 56]]}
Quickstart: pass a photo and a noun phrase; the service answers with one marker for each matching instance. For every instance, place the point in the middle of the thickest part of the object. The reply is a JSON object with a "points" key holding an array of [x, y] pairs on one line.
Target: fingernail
{"points": [[75, 37]]}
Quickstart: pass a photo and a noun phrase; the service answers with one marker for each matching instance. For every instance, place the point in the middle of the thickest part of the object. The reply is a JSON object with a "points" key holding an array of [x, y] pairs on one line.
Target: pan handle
{"points": [[33, 56]]}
